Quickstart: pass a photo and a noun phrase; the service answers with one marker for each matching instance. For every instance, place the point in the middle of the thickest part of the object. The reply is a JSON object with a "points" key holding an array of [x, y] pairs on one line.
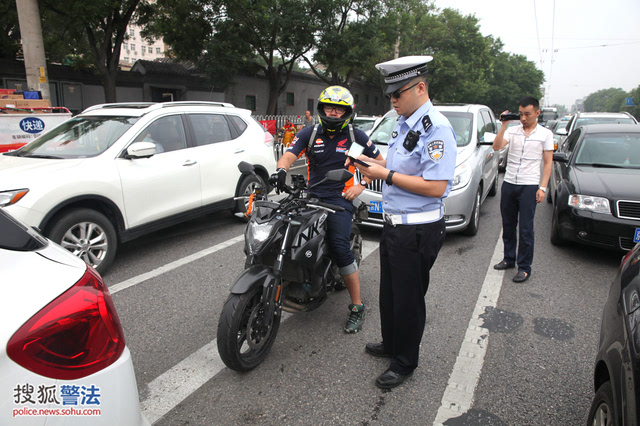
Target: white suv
{"points": [[118, 171]]}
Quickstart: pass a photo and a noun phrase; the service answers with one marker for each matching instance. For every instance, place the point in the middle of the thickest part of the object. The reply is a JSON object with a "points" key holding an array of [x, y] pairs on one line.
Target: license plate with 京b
{"points": [[636, 237], [375, 206]]}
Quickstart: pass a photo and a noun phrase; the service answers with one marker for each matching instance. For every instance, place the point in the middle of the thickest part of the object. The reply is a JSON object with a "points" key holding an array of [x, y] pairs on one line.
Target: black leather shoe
{"points": [[390, 379], [377, 349], [521, 276], [503, 265]]}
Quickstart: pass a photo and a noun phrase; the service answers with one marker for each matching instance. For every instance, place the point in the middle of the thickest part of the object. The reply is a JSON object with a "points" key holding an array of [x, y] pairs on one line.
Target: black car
{"points": [[616, 377], [595, 187]]}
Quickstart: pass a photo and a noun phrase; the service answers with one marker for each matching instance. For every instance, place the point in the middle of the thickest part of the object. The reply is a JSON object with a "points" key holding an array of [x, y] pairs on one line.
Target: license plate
{"points": [[375, 207], [636, 237]]}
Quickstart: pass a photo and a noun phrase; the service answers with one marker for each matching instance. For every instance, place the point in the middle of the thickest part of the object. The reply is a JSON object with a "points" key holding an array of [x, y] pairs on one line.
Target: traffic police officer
{"points": [[329, 147], [418, 172]]}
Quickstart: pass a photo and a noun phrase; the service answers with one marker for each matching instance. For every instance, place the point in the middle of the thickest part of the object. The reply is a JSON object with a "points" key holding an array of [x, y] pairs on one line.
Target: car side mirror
{"points": [[562, 132], [560, 157], [141, 150], [488, 138]]}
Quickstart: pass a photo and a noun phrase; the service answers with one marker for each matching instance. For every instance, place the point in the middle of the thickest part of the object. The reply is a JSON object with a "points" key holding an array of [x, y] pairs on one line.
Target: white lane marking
{"points": [[459, 394], [173, 386], [173, 265]]}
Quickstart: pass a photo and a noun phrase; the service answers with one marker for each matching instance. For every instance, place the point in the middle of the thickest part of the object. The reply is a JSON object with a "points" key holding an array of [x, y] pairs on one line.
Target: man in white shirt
{"points": [[529, 145]]}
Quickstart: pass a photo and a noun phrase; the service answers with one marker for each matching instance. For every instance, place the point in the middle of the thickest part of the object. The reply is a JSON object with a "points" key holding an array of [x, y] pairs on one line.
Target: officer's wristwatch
{"points": [[389, 179], [543, 189], [363, 182]]}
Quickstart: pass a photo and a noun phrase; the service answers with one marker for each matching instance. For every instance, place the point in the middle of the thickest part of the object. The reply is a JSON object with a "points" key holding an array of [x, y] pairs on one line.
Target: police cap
{"points": [[400, 71]]}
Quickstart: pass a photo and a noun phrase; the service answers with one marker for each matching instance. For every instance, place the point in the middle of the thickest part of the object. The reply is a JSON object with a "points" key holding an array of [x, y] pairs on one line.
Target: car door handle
{"points": [[190, 163], [239, 151]]}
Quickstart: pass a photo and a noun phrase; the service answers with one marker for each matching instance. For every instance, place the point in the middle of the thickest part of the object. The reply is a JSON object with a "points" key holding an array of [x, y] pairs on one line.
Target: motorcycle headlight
{"points": [[462, 176], [257, 234], [589, 203], [11, 197]]}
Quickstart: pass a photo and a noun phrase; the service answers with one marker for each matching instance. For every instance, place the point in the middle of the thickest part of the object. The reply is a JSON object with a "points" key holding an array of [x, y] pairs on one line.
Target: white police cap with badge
{"points": [[400, 71]]}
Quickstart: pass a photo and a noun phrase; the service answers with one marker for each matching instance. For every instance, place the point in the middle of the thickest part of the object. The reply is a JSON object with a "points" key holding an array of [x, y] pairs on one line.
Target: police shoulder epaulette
{"points": [[426, 123]]}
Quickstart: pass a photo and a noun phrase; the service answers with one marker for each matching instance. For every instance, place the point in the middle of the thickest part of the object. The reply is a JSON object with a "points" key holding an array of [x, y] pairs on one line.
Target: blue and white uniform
{"points": [[433, 158]]}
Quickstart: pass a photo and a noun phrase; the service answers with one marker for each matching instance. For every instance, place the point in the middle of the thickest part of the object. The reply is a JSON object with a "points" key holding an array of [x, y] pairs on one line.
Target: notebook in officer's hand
{"points": [[356, 150]]}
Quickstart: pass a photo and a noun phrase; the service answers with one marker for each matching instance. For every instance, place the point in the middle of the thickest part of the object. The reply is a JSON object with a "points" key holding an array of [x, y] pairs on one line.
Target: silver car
{"points": [[476, 174]]}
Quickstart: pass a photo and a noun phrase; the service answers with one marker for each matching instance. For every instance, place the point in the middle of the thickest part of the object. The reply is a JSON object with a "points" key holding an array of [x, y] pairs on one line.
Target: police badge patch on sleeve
{"points": [[435, 150]]}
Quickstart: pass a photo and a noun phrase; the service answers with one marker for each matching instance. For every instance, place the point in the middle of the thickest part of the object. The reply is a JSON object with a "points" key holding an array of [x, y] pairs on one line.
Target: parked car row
{"points": [[118, 171]]}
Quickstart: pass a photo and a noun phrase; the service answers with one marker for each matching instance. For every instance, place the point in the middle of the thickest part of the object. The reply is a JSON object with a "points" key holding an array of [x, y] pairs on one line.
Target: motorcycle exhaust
{"points": [[292, 307]]}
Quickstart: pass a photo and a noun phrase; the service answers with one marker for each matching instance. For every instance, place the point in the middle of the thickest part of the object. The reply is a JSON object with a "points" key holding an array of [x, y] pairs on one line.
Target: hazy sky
{"points": [[596, 43]]}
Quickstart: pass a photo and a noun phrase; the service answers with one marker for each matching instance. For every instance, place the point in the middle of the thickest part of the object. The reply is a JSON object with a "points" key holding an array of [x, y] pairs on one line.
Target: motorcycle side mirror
{"points": [[339, 175], [246, 168]]}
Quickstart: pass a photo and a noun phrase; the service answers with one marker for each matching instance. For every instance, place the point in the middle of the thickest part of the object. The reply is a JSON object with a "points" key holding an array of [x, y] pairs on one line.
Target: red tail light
{"points": [[77, 334], [268, 139]]}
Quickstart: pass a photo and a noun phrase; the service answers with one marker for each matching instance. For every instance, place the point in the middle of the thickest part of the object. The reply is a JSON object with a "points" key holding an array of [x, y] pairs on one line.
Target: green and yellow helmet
{"points": [[338, 96]]}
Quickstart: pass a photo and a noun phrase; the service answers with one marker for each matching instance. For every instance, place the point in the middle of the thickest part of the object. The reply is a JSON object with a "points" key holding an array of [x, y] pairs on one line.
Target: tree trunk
{"points": [[109, 86]]}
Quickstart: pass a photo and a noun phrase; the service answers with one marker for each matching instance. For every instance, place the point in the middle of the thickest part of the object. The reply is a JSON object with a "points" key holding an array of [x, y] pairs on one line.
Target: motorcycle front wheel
{"points": [[243, 341]]}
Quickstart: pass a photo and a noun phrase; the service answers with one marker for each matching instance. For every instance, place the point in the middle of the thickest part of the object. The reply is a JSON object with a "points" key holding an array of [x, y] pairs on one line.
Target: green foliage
{"points": [[9, 30], [510, 78], [606, 100], [83, 32], [634, 94]]}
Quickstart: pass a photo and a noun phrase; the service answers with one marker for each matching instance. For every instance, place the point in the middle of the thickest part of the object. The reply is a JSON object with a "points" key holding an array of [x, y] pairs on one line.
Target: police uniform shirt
{"points": [[526, 154], [433, 158], [329, 154]]}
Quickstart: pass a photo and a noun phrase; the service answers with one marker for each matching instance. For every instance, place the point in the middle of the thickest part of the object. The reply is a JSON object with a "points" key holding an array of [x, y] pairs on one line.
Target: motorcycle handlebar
{"points": [[329, 206]]}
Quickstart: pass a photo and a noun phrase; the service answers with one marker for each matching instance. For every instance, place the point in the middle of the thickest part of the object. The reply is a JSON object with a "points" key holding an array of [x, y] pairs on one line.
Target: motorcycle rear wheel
{"points": [[242, 342]]}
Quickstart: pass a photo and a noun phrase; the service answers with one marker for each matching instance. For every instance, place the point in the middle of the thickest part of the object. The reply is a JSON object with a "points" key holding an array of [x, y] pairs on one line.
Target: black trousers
{"points": [[407, 253], [518, 202]]}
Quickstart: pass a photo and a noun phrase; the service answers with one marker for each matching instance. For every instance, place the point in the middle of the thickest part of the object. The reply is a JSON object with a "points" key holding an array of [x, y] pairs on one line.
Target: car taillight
{"points": [[77, 334], [268, 139]]}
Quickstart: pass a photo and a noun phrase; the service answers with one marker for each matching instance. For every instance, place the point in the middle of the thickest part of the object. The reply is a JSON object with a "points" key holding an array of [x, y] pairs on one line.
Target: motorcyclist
{"points": [[331, 143]]}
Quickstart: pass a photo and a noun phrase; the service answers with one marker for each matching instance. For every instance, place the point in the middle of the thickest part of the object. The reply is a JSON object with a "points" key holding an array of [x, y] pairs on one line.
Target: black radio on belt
{"points": [[411, 140]]}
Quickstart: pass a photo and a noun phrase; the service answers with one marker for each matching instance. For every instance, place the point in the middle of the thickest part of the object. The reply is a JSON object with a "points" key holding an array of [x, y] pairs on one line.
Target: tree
{"points": [[89, 32], [240, 36], [9, 30], [606, 100], [348, 40], [511, 77], [634, 94]]}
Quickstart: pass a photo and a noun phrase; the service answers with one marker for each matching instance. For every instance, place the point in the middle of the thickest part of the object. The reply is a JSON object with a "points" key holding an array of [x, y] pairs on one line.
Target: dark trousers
{"points": [[339, 231], [407, 253], [518, 204]]}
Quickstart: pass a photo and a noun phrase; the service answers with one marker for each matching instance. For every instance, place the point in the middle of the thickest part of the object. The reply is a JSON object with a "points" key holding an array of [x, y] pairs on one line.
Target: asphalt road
{"points": [[532, 364]]}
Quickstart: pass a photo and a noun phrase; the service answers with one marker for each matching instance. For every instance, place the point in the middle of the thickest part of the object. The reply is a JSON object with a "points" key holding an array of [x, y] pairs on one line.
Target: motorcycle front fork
{"points": [[271, 296]]}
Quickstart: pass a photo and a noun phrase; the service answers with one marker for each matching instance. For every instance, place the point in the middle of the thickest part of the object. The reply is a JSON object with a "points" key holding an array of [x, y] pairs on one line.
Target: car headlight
{"points": [[11, 197], [589, 203], [257, 233], [462, 176]]}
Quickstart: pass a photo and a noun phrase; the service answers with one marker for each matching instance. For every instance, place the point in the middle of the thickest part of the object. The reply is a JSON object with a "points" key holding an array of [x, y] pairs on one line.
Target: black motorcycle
{"points": [[287, 268]]}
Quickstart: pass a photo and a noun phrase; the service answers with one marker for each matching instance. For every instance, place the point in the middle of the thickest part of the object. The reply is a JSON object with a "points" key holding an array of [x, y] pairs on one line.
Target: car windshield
{"points": [[462, 123], [79, 137], [583, 121], [610, 150], [364, 125], [559, 126], [382, 133]]}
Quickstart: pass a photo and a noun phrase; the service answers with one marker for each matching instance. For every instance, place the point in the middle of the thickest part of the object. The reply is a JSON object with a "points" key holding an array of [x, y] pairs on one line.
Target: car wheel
{"points": [[87, 234], [247, 185], [494, 188], [474, 221], [602, 412], [556, 239]]}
